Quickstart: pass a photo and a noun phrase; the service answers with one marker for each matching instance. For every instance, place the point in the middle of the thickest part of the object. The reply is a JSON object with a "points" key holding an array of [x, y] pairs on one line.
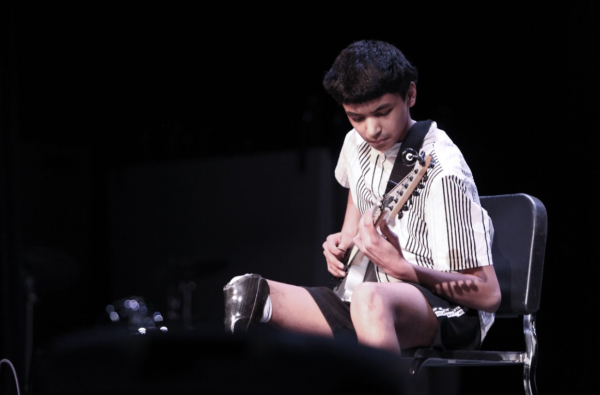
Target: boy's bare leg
{"points": [[295, 310], [392, 316]]}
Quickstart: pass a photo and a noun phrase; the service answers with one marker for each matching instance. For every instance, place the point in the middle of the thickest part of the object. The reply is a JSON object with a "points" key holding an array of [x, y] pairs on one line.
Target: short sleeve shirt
{"points": [[445, 227]]}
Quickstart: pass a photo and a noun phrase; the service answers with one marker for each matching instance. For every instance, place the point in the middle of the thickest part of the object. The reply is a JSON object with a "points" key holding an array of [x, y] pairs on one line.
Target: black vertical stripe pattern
{"points": [[378, 194], [461, 236], [457, 205], [418, 242], [488, 242], [365, 195], [368, 196], [451, 191]]}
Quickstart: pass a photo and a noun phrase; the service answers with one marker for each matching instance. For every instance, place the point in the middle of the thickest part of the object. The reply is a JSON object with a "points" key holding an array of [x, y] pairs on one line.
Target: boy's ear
{"points": [[411, 95]]}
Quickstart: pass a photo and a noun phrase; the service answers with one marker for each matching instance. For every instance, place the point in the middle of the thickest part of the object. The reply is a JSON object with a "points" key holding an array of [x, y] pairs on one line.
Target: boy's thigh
{"points": [[295, 309]]}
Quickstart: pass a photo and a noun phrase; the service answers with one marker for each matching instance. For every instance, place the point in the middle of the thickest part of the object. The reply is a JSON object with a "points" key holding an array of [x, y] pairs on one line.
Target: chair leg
{"points": [[529, 365], [415, 366]]}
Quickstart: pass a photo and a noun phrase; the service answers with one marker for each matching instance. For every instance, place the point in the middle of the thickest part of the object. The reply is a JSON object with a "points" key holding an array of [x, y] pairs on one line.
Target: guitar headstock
{"points": [[396, 201]]}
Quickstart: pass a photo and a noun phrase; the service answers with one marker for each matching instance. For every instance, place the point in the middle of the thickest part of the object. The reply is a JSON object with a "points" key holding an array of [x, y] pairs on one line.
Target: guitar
{"points": [[356, 263]]}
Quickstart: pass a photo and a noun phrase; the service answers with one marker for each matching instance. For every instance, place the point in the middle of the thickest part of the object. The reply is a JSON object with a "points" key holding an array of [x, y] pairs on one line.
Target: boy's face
{"points": [[384, 121]]}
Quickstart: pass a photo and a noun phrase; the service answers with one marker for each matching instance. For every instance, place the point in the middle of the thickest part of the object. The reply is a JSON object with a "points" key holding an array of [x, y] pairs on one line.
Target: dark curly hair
{"points": [[368, 69]]}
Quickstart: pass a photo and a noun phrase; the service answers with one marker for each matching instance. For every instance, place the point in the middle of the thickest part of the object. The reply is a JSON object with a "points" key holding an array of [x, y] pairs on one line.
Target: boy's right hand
{"points": [[335, 248]]}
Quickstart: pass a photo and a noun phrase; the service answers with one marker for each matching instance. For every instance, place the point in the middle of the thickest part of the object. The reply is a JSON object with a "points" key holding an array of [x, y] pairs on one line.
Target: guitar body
{"points": [[391, 205], [356, 268]]}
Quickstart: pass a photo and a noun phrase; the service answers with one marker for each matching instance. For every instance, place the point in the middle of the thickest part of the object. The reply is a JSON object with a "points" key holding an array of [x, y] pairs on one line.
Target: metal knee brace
{"points": [[245, 298]]}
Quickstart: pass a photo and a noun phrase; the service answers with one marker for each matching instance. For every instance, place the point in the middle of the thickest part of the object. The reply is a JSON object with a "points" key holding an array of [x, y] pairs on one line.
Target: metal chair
{"points": [[519, 244]]}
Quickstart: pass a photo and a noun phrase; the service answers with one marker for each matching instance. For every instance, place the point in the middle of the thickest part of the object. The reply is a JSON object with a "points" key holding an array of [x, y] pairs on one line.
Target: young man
{"points": [[436, 285]]}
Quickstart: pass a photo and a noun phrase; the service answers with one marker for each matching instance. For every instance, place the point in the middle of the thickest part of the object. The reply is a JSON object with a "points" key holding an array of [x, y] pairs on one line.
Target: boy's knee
{"points": [[368, 299]]}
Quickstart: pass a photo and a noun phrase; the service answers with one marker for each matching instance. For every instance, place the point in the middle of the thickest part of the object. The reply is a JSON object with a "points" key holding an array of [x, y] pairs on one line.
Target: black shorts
{"points": [[459, 327]]}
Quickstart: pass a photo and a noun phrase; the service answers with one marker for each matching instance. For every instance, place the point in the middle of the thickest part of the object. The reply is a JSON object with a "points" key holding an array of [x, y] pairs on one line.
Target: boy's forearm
{"points": [[475, 288]]}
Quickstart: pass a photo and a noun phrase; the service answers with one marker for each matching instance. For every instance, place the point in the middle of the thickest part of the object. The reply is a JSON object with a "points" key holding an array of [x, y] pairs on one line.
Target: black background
{"points": [[90, 90]]}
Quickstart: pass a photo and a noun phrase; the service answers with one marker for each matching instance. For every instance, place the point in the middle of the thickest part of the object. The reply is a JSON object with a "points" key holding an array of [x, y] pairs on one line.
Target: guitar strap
{"points": [[411, 145], [405, 162]]}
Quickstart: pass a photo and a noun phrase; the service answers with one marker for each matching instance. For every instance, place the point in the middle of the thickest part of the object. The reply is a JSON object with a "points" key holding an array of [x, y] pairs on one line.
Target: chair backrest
{"points": [[518, 248]]}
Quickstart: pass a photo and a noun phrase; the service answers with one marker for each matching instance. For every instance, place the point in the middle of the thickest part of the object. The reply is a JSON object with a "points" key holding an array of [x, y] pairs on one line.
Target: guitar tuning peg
{"points": [[431, 165], [405, 208], [416, 171], [411, 178], [405, 185], [400, 193], [400, 215], [416, 193], [421, 185], [425, 177]]}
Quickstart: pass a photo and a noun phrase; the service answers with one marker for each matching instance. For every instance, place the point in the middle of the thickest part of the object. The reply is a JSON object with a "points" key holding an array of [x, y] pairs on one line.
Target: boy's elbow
{"points": [[493, 290], [494, 300]]}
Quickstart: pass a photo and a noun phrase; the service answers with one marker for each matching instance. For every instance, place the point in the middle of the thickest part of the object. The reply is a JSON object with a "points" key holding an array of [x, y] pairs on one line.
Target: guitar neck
{"points": [[400, 194]]}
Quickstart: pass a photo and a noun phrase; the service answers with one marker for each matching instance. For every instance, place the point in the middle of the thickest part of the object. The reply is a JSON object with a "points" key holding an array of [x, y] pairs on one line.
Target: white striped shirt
{"points": [[445, 228]]}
